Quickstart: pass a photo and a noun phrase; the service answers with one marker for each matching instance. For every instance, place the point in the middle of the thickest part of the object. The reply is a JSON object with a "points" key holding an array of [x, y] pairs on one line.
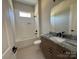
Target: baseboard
{"points": [[8, 54]]}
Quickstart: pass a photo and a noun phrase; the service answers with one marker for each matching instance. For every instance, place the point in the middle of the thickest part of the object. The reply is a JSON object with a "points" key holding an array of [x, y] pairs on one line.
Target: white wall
{"points": [[45, 15], [25, 27], [73, 18], [36, 14], [71, 4], [7, 30], [4, 37]]}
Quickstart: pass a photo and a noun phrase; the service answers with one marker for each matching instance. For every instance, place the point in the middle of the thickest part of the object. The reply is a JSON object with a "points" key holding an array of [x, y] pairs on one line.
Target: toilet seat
{"points": [[37, 42]]}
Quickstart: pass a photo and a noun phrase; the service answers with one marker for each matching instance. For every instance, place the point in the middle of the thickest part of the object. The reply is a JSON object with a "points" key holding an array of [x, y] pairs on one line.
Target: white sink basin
{"points": [[57, 39], [73, 42], [60, 40]]}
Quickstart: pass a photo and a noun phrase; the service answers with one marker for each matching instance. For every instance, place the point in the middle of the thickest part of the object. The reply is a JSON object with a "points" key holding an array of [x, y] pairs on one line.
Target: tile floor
{"points": [[31, 52]]}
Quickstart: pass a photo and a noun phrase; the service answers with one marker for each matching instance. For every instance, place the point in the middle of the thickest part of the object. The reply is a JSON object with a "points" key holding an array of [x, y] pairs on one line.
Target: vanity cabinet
{"points": [[52, 50]]}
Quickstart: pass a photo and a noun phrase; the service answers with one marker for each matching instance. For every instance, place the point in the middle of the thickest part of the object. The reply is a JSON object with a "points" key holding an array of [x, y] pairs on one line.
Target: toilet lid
{"points": [[37, 42]]}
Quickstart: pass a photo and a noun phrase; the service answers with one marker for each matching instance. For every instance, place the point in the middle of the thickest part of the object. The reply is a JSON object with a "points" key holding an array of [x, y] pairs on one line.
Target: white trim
{"points": [[7, 50]]}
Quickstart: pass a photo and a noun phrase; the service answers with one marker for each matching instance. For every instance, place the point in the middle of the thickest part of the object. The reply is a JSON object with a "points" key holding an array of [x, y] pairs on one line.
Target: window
{"points": [[24, 14]]}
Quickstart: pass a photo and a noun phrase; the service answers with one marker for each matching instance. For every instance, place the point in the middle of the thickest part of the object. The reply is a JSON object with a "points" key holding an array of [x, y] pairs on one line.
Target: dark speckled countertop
{"points": [[67, 43]]}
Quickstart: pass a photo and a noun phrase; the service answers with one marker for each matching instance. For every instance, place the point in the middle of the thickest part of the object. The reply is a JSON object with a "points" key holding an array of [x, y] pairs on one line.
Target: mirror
{"points": [[63, 17]]}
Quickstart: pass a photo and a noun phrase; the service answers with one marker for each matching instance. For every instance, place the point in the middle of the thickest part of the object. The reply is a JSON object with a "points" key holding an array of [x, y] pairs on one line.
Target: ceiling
{"points": [[29, 2], [33, 2], [57, 2]]}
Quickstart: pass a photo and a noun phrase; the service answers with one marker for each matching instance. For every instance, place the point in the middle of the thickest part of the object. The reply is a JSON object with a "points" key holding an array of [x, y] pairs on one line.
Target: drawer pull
{"points": [[64, 51]]}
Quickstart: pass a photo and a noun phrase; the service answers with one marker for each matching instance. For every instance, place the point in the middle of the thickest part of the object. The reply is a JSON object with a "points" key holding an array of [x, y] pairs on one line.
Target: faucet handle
{"points": [[63, 32]]}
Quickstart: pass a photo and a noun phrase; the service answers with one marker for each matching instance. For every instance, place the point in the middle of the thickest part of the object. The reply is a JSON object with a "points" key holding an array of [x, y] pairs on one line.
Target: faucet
{"points": [[60, 34]]}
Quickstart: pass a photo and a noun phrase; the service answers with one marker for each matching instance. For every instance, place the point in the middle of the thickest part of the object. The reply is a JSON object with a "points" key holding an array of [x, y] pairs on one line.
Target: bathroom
{"points": [[39, 29]]}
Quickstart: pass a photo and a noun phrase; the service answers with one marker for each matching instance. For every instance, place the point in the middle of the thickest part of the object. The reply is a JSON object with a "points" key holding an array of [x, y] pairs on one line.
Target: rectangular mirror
{"points": [[64, 17]]}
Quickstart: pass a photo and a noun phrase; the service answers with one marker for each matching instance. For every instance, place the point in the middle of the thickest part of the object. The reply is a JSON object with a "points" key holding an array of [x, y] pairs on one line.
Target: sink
{"points": [[72, 42], [57, 39], [62, 40]]}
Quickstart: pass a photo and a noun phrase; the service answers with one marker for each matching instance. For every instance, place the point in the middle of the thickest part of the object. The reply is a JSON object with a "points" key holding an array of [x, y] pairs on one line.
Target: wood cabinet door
{"points": [[52, 50]]}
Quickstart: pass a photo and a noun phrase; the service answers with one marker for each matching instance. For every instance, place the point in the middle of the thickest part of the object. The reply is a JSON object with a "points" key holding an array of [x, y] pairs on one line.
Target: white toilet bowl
{"points": [[37, 42]]}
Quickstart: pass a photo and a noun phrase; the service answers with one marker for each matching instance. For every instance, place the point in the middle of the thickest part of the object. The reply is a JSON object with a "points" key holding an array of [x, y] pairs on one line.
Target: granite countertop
{"points": [[66, 43]]}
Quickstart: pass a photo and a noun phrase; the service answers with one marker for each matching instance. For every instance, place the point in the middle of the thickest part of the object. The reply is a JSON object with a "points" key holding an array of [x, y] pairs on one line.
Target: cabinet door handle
{"points": [[50, 50], [64, 51]]}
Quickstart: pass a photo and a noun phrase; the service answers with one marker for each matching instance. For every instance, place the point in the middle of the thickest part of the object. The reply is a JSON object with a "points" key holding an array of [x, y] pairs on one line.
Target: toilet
{"points": [[37, 42]]}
